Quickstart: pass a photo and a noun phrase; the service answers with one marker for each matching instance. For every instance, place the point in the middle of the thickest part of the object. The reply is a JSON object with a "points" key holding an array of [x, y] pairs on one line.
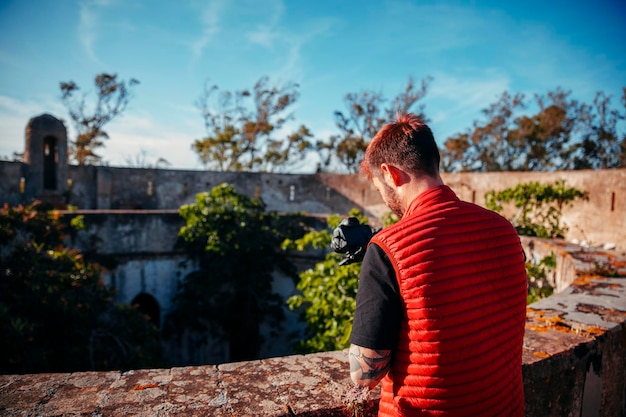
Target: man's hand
{"points": [[368, 366]]}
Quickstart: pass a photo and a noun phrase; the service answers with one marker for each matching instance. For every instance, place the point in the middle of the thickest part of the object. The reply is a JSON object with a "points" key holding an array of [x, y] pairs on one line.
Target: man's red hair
{"points": [[407, 143]]}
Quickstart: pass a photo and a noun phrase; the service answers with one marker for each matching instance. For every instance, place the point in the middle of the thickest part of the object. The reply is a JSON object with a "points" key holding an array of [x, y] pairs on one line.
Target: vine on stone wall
{"points": [[540, 206]]}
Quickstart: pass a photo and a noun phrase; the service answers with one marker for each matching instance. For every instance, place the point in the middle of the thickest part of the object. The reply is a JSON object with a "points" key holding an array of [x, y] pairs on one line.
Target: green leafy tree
{"points": [[55, 313], [365, 115], [539, 206], [327, 298], [245, 129], [112, 97], [236, 245]]}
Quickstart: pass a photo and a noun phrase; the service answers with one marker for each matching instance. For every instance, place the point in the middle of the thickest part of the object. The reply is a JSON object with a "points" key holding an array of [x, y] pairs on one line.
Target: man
{"points": [[441, 302]]}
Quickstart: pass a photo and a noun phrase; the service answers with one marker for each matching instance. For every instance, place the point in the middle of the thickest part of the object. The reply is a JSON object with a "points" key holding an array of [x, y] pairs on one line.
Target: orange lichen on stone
{"points": [[594, 330], [535, 328], [562, 252], [542, 355], [585, 279], [144, 386], [532, 311], [537, 322]]}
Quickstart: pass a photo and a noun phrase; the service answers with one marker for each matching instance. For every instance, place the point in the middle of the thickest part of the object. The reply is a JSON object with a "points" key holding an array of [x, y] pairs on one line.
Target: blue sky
{"points": [[473, 50]]}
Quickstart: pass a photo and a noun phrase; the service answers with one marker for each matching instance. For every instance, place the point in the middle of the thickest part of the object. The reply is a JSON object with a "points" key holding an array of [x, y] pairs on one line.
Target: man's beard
{"points": [[392, 200]]}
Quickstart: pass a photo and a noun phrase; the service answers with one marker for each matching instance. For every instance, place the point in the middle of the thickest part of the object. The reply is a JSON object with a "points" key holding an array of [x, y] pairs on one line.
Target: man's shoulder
{"points": [[453, 214]]}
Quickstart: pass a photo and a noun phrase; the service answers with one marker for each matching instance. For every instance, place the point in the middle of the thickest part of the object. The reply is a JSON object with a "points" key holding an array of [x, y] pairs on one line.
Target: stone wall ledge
{"points": [[574, 364]]}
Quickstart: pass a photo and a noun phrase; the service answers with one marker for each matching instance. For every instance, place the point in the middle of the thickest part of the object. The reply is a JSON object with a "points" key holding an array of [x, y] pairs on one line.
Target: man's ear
{"points": [[394, 175]]}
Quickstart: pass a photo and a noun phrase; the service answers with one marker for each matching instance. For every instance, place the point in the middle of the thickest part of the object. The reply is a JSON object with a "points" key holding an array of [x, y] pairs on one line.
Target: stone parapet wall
{"points": [[574, 364], [575, 344]]}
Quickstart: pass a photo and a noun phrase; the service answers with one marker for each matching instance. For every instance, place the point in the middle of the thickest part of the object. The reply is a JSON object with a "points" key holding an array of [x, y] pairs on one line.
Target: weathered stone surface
{"points": [[575, 342], [88, 386], [24, 393], [193, 390]]}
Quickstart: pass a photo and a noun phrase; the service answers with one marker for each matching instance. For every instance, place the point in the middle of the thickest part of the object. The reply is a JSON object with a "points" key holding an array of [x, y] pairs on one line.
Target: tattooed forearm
{"points": [[368, 366]]}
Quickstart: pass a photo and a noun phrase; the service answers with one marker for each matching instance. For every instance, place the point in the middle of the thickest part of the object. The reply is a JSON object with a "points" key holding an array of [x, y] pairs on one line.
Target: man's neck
{"points": [[418, 185]]}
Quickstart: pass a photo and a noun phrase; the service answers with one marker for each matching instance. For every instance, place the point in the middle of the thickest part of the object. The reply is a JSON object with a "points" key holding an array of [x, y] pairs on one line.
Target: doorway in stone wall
{"points": [[149, 306], [50, 162]]}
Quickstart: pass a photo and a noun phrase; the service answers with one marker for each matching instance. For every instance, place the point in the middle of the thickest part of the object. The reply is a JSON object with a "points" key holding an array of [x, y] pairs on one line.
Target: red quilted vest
{"points": [[462, 280]]}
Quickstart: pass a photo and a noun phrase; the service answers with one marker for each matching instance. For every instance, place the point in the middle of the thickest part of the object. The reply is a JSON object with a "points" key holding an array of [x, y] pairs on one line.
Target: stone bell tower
{"points": [[46, 158]]}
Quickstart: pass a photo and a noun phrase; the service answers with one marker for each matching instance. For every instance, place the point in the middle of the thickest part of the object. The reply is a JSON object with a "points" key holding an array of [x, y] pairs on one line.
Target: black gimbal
{"points": [[351, 238]]}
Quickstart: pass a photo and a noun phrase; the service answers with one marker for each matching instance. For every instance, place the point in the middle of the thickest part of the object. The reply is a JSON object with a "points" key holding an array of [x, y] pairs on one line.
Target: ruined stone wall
{"points": [[158, 189], [600, 220], [138, 249], [11, 174]]}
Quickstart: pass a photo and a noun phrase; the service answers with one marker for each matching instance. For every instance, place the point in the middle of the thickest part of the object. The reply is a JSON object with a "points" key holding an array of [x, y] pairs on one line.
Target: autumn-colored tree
{"points": [[562, 134], [455, 154], [488, 146], [244, 129], [56, 315], [623, 140], [112, 97], [601, 146], [365, 114], [542, 142]]}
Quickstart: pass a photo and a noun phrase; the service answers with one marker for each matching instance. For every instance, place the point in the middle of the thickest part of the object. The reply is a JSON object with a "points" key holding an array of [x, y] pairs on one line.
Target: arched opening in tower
{"points": [[50, 161]]}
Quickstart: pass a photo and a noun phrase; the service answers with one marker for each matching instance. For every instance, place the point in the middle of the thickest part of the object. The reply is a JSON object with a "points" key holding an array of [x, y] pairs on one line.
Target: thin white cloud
{"points": [[86, 29], [15, 107], [264, 36], [89, 25], [288, 46], [547, 62], [266, 33], [469, 91], [210, 22], [444, 27], [453, 101]]}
